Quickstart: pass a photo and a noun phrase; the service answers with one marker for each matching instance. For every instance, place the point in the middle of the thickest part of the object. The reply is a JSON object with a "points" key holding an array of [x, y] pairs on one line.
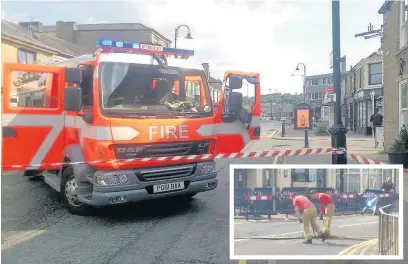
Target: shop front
{"points": [[364, 109]]}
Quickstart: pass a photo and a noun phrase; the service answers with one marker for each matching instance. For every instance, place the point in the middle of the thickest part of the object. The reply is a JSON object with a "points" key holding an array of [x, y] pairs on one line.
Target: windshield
{"points": [[151, 89]]}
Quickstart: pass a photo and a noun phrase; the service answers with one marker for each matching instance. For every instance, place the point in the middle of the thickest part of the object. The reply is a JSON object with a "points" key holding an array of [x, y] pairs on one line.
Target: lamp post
{"points": [[176, 34], [304, 79], [304, 100], [338, 130], [372, 95]]}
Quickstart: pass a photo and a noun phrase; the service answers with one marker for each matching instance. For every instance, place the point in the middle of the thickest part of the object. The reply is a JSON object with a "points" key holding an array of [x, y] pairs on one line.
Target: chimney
{"points": [[206, 67], [33, 26], [65, 30]]}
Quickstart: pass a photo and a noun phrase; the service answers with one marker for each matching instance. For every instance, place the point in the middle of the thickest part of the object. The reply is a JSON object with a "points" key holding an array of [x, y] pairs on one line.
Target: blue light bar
{"points": [[121, 46]]}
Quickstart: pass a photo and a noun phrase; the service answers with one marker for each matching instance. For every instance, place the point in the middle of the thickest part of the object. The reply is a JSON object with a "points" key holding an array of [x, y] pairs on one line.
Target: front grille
{"points": [[133, 151], [166, 173]]}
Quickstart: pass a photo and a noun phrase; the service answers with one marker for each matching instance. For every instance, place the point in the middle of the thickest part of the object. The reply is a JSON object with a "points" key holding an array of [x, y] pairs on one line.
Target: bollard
{"points": [[283, 129], [306, 138]]}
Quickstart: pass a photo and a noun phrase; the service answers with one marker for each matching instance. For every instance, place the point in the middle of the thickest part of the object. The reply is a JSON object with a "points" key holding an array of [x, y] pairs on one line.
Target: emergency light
{"points": [[105, 45]]}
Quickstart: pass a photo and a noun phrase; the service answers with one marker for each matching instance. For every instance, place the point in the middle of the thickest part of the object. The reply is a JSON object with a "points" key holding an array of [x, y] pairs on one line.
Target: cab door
{"points": [[233, 134], [32, 130]]}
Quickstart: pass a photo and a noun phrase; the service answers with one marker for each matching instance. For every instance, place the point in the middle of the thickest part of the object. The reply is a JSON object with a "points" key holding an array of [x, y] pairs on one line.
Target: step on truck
{"points": [[128, 123]]}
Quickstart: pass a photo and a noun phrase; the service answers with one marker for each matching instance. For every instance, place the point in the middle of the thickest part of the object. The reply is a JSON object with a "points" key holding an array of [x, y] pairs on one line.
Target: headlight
{"points": [[105, 180], [207, 168]]}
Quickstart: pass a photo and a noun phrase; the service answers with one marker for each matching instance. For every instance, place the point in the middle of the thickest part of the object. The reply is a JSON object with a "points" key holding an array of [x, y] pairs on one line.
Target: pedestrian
{"points": [[306, 213], [376, 121], [327, 209], [387, 186]]}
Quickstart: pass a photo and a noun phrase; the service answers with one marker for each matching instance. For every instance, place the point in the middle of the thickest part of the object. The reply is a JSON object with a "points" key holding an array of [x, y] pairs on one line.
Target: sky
{"points": [[266, 36]]}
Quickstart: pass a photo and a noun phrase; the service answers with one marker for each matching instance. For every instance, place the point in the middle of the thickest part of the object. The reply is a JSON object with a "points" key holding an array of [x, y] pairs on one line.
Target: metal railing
{"points": [[388, 241]]}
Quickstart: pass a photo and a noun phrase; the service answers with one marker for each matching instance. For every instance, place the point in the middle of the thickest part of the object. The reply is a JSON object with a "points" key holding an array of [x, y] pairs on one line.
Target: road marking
{"points": [[369, 223], [297, 232]]}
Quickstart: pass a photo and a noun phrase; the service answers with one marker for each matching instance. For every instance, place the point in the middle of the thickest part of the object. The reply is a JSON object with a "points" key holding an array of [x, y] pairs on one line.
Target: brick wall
{"points": [[390, 46]]}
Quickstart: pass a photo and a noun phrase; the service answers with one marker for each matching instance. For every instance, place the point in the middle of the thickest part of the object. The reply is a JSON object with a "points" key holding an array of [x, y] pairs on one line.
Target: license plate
{"points": [[167, 187]]}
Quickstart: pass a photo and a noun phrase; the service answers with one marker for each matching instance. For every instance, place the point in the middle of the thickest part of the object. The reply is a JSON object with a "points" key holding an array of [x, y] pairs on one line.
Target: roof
{"points": [[385, 7], [62, 45], [19, 33], [51, 43], [107, 26]]}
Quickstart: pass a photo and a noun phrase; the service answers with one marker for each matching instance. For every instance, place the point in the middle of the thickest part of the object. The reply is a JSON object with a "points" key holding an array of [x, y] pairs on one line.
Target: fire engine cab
{"points": [[130, 122]]}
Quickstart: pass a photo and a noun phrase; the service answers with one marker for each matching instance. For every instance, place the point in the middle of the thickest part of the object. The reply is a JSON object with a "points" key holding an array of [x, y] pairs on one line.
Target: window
{"points": [[86, 86], [315, 82], [375, 73], [352, 180], [360, 81], [403, 24], [155, 92], [321, 81], [403, 103], [308, 177], [25, 56], [192, 91], [240, 178]]}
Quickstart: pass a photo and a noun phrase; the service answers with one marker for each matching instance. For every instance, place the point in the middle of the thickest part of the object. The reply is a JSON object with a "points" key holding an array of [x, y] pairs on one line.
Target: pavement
{"points": [[357, 227], [36, 229]]}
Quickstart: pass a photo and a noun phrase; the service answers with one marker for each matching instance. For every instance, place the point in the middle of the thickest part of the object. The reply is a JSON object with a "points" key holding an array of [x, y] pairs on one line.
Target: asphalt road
{"points": [[269, 124], [357, 227], [37, 229]]}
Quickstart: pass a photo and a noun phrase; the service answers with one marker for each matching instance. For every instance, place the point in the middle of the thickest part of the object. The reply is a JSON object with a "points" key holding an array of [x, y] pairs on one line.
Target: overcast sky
{"points": [[269, 37]]}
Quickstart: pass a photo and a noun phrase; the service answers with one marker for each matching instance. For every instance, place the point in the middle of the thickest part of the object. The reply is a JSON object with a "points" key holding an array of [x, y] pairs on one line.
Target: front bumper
{"points": [[138, 189]]}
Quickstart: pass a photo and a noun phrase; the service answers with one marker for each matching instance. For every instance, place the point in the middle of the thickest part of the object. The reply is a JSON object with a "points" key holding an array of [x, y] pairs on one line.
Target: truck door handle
{"points": [[8, 132]]}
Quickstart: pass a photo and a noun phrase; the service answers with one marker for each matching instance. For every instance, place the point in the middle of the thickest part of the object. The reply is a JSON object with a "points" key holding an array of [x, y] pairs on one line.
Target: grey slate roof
{"points": [[107, 26], [20, 33], [54, 44]]}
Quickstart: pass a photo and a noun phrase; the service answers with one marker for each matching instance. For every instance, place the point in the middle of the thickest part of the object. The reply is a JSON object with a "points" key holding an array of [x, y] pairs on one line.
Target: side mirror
{"points": [[72, 99], [234, 82], [234, 102], [73, 75]]}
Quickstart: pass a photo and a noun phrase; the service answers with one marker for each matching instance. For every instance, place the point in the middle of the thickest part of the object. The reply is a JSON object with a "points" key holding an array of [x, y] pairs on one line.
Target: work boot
{"points": [[309, 241]]}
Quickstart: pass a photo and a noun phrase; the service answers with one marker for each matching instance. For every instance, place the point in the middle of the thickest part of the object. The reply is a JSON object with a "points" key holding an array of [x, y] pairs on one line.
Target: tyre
{"points": [[69, 195]]}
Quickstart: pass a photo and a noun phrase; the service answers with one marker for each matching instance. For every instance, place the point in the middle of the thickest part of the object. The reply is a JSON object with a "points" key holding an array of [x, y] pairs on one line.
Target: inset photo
{"points": [[316, 212]]}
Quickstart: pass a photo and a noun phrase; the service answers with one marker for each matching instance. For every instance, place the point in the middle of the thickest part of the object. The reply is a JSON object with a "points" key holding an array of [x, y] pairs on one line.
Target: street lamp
{"points": [[304, 79], [176, 34], [338, 131]]}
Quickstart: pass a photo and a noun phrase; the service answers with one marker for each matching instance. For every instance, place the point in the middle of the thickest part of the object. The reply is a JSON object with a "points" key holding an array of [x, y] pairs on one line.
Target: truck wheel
{"points": [[69, 195]]}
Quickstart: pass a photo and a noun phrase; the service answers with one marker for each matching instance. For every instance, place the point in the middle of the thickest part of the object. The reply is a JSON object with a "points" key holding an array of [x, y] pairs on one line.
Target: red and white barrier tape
{"points": [[203, 157], [364, 160], [347, 196], [258, 198]]}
